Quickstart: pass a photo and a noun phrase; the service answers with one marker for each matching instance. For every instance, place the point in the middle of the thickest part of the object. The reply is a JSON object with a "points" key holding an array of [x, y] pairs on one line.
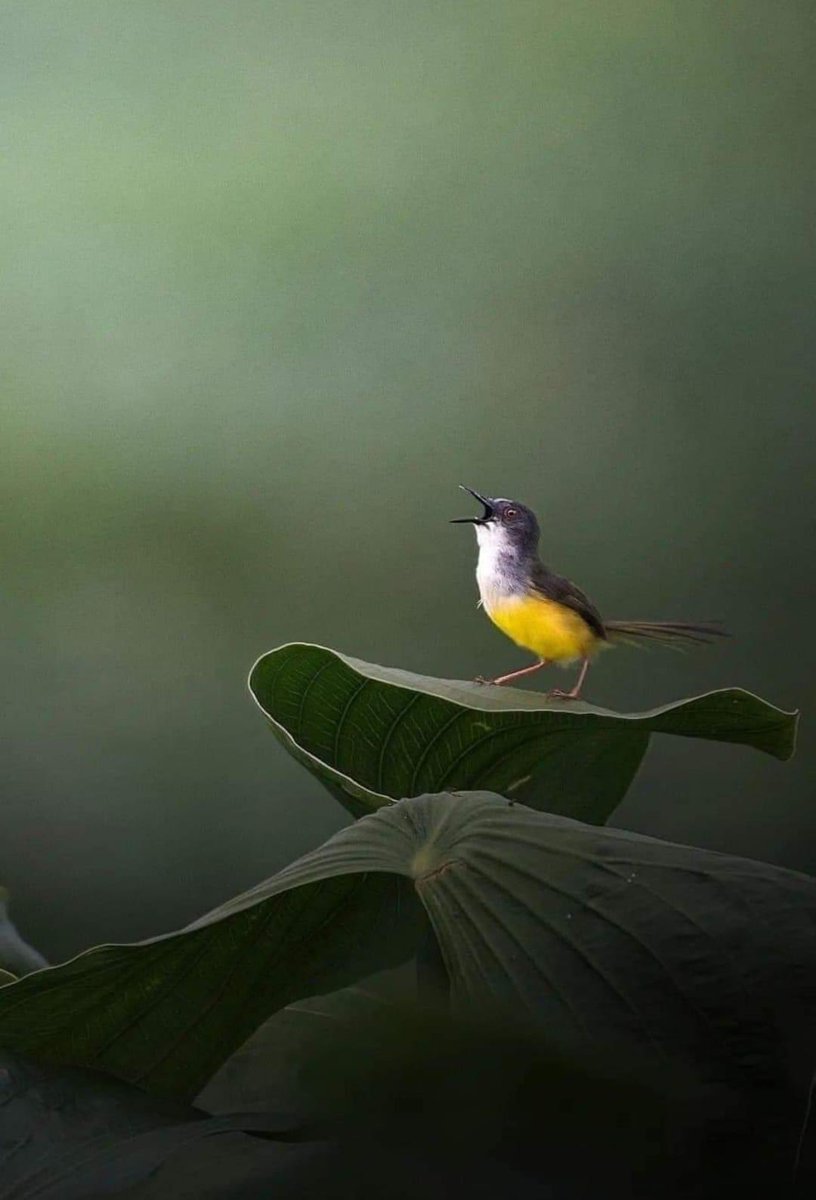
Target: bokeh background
{"points": [[276, 277]]}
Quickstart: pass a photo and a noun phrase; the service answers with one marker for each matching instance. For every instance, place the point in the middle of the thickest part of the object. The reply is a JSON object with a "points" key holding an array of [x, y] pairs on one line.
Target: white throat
{"points": [[496, 570]]}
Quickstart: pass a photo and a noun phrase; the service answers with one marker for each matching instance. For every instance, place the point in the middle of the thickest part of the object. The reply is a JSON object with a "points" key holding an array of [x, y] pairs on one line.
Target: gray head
{"points": [[504, 525]]}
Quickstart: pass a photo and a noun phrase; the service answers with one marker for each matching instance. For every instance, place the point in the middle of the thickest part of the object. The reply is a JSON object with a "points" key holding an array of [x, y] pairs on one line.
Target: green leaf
{"points": [[374, 734], [16, 956], [165, 1013], [602, 937]]}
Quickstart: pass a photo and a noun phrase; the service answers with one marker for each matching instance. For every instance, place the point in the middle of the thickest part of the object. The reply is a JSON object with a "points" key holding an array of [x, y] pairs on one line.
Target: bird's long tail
{"points": [[679, 635]]}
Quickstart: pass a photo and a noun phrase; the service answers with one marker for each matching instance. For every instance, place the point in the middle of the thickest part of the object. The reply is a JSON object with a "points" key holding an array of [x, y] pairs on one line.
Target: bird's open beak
{"points": [[486, 505]]}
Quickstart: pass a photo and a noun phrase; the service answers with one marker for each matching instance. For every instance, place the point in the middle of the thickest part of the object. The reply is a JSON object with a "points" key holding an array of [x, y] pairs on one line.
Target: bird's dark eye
{"points": [[509, 513]]}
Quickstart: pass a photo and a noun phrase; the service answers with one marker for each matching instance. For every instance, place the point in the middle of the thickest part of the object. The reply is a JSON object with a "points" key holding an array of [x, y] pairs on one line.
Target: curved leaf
{"points": [[603, 937], [167, 1012], [374, 734]]}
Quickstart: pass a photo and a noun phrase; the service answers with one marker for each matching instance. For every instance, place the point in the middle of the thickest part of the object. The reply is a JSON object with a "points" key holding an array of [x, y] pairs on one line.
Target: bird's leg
{"points": [[574, 694], [500, 679]]}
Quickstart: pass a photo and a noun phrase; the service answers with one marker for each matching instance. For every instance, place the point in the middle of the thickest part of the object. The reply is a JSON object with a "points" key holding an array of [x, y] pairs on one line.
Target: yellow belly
{"points": [[545, 627]]}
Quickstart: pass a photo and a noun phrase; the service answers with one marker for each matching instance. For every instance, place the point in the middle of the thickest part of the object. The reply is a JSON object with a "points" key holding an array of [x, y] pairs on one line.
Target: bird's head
{"points": [[504, 524]]}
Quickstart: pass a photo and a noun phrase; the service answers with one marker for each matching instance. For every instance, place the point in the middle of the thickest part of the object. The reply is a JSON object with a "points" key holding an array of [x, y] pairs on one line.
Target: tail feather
{"points": [[676, 634]]}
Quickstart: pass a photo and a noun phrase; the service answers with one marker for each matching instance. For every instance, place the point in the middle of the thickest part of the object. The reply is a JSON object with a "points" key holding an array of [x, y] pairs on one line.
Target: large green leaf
{"points": [[375, 734], [602, 937], [165, 1013]]}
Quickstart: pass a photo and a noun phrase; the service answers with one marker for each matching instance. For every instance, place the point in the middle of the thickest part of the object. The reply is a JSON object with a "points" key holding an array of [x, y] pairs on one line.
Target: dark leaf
{"points": [[298, 1057], [73, 1135], [600, 937], [468, 1096]]}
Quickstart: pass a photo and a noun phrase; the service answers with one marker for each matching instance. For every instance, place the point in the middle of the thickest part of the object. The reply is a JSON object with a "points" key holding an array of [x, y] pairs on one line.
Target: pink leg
{"points": [[557, 694], [514, 674]]}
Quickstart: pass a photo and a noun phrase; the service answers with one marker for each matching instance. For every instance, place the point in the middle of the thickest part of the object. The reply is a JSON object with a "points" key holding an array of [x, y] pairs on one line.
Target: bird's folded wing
{"points": [[563, 591]]}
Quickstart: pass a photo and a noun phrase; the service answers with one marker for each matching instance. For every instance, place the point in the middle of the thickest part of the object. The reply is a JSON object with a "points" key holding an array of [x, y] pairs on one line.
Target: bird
{"points": [[544, 612]]}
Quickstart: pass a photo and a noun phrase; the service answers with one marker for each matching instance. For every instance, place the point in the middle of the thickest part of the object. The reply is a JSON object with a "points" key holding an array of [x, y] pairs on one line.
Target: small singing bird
{"points": [[544, 612]]}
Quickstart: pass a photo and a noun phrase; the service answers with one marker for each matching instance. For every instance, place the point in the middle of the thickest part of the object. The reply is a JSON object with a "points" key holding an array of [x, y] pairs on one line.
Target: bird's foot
{"points": [[481, 679], [557, 694]]}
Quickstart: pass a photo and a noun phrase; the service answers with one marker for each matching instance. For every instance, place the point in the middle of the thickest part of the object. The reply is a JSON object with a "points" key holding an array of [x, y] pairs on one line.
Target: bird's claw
{"points": [[481, 679], [557, 694]]}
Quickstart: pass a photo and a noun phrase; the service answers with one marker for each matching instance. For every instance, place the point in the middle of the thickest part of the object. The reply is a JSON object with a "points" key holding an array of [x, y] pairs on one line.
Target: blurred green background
{"points": [[276, 277]]}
